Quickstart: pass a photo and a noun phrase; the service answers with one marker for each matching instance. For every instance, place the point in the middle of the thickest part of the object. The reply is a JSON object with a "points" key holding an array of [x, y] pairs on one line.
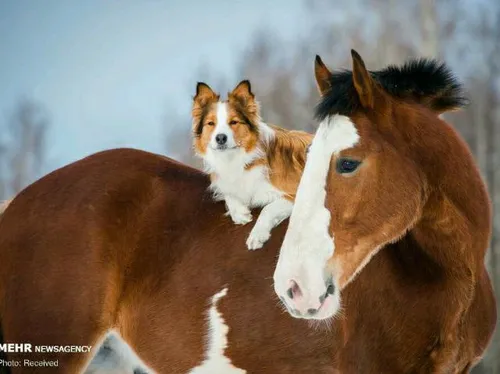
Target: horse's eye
{"points": [[347, 165]]}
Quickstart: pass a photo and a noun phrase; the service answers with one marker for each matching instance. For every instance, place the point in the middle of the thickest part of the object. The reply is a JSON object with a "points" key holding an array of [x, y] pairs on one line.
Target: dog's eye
{"points": [[347, 165], [211, 123], [233, 122], [308, 148]]}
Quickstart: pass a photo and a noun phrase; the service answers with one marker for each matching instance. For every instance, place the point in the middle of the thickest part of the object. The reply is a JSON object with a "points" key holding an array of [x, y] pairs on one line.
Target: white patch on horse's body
{"points": [[115, 356], [216, 361], [308, 245]]}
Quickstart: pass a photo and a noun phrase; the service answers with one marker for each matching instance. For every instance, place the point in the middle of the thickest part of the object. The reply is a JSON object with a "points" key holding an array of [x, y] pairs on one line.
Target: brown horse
{"points": [[132, 241], [391, 213]]}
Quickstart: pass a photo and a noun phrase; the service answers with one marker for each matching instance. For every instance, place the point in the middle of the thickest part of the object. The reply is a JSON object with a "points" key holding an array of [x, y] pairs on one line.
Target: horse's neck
{"points": [[446, 234]]}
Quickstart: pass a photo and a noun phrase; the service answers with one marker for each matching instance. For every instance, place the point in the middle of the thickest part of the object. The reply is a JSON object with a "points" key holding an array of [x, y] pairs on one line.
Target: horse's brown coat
{"points": [[131, 240]]}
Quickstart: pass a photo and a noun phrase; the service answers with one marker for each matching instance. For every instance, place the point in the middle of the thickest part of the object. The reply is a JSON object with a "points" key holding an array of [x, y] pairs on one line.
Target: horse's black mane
{"points": [[424, 81]]}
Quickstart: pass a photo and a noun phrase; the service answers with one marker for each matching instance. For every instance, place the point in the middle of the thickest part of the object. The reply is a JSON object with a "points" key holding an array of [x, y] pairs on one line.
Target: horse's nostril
{"points": [[330, 289], [312, 311], [294, 290]]}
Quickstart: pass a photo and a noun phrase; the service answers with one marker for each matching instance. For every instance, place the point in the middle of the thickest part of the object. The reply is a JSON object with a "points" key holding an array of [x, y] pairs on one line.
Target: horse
{"points": [[391, 223], [129, 241]]}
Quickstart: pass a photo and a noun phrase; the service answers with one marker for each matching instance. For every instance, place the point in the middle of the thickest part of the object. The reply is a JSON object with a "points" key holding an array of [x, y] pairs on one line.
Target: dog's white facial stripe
{"points": [[308, 245], [222, 126], [216, 361]]}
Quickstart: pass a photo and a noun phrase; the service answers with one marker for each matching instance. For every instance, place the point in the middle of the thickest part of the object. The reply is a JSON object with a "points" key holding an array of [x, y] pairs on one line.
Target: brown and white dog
{"points": [[251, 164]]}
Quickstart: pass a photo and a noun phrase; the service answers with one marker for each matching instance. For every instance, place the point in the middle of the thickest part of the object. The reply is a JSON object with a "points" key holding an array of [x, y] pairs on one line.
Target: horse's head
{"points": [[363, 185]]}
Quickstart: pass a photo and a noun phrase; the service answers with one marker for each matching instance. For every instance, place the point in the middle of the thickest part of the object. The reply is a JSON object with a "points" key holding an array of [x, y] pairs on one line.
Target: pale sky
{"points": [[107, 70]]}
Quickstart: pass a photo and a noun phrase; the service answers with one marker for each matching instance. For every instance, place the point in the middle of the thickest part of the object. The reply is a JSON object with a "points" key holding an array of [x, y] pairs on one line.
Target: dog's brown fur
{"points": [[286, 158], [283, 153]]}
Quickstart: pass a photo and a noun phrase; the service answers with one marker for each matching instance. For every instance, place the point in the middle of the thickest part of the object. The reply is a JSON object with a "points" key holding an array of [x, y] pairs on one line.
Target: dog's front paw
{"points": [[257, 238], [241, 216]]}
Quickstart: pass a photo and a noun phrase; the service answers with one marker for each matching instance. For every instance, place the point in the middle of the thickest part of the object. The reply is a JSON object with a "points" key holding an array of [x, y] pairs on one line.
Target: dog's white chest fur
{"points": [[243, 189], [251, 187]]}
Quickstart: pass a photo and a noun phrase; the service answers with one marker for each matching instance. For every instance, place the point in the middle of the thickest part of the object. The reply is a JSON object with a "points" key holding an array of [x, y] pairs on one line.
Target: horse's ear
{"points": [[204, 94], [243, 94], [323, 76], [363, 82]]}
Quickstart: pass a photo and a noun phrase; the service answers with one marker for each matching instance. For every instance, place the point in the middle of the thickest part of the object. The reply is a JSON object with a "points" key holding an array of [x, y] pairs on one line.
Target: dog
{"points": [[251, 164]]}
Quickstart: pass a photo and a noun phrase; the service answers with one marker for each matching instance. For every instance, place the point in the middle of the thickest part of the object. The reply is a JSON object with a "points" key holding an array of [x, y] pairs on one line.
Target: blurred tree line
{"points": [[463, 33], [23, 134]]}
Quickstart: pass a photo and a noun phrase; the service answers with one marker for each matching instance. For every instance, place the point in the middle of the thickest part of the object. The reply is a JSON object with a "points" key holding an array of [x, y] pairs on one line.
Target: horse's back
{"points": [[108, 183], [99, 198], [69, 241]]}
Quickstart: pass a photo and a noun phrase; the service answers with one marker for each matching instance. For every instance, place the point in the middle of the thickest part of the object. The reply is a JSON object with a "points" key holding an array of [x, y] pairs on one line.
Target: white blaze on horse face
{"points": [[308, 245], [216, 361]]}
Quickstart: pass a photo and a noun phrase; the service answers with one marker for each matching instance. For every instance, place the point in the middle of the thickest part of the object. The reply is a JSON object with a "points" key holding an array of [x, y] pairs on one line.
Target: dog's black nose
{"points": [[221, 139]]}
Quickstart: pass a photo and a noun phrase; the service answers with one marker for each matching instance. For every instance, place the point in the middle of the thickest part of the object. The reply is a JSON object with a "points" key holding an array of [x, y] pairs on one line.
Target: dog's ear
{"points": [[243, 90], [204, 94], [243, 95]]}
